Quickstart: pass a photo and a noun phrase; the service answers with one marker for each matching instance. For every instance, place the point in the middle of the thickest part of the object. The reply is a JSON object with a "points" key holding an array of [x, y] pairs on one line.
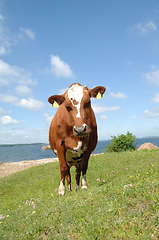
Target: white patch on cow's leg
{"points": [[69, 187], [76, 93], [77, 187], [69, 182], [84, 182], [61, 189]]}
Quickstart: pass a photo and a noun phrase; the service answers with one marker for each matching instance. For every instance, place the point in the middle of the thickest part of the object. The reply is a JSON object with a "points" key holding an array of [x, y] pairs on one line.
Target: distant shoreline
{"points": [[33, 151], [21, 144], [29, 144]]}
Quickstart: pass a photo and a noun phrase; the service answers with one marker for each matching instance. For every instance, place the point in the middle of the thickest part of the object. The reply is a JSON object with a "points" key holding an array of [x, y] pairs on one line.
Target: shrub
{"points": [[121, 143]]}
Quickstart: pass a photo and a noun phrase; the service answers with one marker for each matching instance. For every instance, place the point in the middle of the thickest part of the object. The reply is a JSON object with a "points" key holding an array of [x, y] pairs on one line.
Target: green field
{"points": [[121, 202]]}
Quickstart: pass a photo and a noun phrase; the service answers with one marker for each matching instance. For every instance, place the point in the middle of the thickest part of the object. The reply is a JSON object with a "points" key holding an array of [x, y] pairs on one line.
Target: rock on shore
{"points": [[147, 146]]}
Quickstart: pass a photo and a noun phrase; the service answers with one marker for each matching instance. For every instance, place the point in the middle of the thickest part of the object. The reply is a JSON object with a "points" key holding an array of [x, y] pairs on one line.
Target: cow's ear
{"points": [[97, 92], [56, 100]]}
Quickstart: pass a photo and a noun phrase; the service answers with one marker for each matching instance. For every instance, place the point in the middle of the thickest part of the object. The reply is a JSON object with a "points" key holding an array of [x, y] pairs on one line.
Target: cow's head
{"points": [[78, 104]]}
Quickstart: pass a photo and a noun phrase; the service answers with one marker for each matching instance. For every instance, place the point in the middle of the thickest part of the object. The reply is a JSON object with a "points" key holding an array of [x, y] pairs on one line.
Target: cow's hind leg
{"points": [[78, 175], [64, 169], [84, 182], [84, 165]]}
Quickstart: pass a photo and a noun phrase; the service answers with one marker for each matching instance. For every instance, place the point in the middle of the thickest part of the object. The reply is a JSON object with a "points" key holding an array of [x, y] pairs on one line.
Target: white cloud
{"points": [[23, 134], [152, 113], [13, 74], [2, 111], [23, 90], [118, 95], [144, 28], [153, 67], [153, 77], [101, 109], [62, 91], [2, 50], [156, 98], [103, 117], [28, 32], [47, 118], [1, 17], [29, 103], [7, 120], [5, 40], [151, 26], [130, 63], [9, 99], [60, 68]]}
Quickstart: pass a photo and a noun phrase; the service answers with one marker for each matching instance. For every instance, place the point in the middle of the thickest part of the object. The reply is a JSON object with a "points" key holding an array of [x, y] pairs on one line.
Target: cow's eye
{"points": [[87, 105], [68, 108]]}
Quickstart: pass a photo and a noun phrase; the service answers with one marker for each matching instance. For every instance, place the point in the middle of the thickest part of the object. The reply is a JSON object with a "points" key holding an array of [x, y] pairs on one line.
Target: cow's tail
{"points": [[48, 147]]}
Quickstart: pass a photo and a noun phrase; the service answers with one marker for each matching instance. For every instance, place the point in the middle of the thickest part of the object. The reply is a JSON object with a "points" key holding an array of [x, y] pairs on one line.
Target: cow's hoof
{"points": [[61, 189], [84, 182], [61, 193], [84, 186]]}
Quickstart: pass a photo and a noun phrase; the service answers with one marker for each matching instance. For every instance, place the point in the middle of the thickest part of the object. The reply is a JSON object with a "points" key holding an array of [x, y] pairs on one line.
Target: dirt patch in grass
{"points": [[13, 167], [9, 168]]}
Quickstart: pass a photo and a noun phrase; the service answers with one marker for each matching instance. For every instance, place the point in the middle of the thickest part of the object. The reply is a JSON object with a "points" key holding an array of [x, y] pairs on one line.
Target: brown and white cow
{"points": [[73, 131]]}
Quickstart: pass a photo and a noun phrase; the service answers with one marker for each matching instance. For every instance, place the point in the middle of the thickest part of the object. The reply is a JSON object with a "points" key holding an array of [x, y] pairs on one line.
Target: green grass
{"points": [[106, 210]]}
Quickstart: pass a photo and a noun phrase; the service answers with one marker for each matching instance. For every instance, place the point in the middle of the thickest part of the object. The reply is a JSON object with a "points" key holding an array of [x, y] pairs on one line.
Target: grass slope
{"points": [[120, 203]]}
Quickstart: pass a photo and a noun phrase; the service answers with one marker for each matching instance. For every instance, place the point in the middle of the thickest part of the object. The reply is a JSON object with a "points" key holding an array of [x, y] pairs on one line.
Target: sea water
{"points": [[17, 153]]}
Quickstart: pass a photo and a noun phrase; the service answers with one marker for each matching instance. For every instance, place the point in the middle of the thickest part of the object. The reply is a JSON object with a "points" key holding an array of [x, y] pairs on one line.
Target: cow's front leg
{"points": [[78, 175], [62, 188], [64, 170]]}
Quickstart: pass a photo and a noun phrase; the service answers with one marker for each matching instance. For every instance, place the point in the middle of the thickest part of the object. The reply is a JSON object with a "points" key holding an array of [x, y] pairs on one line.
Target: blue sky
{"points": [[45, 46]]}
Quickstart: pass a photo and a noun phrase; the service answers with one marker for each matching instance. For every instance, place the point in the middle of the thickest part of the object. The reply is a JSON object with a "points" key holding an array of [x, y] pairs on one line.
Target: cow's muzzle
{"points": [[80, 131]]}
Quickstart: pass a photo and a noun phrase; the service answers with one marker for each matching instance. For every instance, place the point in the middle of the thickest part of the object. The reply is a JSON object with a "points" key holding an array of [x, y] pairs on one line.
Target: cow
{"points": [[73, 131]]}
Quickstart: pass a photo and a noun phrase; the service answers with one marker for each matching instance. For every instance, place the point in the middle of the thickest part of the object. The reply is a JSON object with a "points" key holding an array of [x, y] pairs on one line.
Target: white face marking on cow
{"points": [[75, 93]]}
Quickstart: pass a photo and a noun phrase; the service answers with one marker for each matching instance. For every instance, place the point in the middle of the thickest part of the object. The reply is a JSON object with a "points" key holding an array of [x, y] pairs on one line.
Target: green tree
{"points": [[121, 143]]}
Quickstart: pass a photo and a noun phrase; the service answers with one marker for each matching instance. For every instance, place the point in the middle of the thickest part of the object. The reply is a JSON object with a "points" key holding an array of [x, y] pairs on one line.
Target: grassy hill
{"points": [[120, 203]]}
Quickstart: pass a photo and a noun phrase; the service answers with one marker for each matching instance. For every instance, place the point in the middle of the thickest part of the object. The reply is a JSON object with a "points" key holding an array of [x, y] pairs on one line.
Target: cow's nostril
{"points": [[75, 131], [85, 129]]}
